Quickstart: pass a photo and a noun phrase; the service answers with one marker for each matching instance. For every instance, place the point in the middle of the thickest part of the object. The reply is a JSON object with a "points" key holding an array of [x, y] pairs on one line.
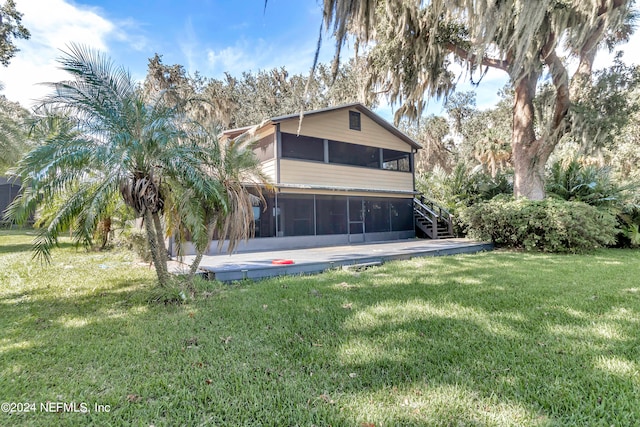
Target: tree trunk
{"points": [[528, 157], [194, 268], [104, 228], [159, 261], [529, 170], [530, 154], [162, 248], [199, 254]]}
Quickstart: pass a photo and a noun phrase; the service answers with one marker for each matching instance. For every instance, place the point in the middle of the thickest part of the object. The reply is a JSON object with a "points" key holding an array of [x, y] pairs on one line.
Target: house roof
{"points": [[361, 108], [9, 181], [233, 133]]}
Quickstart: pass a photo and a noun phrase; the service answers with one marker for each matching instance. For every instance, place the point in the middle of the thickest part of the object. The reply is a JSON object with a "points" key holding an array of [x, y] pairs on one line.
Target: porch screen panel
{"points": [[396, 160], [401, 214], [376, 216], [302, 147], [296, 215], [264, 216], [331, 215], [345, 153]]}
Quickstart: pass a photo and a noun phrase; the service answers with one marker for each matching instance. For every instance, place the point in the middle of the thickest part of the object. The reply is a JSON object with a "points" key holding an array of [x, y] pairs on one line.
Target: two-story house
{"points": [[341, 175]]}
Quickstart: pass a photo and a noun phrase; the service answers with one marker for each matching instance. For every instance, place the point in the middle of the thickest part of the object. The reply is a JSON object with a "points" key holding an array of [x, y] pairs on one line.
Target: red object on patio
{"points": [[282, 261]]}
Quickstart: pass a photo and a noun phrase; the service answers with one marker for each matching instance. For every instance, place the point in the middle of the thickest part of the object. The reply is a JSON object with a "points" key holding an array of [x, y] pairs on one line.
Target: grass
{"points": [[495, 339]]}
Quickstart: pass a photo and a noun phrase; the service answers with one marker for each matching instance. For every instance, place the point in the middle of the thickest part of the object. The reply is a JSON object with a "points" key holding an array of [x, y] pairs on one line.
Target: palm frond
{"points": [[62, 219]]}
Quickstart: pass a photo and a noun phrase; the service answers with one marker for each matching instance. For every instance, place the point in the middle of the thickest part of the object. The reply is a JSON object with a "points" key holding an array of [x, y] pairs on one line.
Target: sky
{"points": [[208, 36]]}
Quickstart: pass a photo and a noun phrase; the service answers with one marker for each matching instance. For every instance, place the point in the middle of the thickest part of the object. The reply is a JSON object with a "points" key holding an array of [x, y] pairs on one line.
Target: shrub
{"points": [[549, 225], [463, 186], [573, 180], [629, 223], [135, 239]]}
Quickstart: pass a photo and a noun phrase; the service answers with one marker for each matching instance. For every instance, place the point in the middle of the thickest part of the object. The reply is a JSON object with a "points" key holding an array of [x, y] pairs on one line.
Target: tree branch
{"points": [[473, 59], [604, 6], [560, 78]]}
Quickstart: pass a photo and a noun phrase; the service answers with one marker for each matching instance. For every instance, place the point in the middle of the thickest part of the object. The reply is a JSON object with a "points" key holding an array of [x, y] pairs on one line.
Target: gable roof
{"points": [[233, 133], [361, 108]]}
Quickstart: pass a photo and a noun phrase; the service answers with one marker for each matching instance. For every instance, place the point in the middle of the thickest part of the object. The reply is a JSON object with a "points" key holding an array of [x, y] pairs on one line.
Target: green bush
{"points": [[575, 181], [629, 224], [463, 186], [135, 239], [549, 225]]}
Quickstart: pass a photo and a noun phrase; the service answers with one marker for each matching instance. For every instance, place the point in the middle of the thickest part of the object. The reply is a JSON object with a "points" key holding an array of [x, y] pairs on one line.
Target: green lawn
{"points": [[497, 338]]}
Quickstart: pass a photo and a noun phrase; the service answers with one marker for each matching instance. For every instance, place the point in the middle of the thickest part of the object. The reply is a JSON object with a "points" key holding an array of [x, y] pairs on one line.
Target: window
{"points": [[345, 153], [302, 147], [354, 120], [396, 160]]}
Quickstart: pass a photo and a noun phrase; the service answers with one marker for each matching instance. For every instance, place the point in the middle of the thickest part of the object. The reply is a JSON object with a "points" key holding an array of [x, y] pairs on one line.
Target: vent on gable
{"points": [[354, 120]]}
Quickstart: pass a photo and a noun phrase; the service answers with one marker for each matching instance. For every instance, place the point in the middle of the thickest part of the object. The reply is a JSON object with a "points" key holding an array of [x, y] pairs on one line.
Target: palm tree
{"points": [[493, 152], [107, 140], [574, 179], [225, 209]]}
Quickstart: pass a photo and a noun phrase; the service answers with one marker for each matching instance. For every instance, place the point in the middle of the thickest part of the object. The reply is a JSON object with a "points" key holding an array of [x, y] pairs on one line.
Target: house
{"points": [[341, 175], [9, 190]]}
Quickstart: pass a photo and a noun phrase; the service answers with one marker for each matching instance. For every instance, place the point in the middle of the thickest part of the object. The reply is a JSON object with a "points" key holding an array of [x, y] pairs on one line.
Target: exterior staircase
{"points": [[432, 221]]}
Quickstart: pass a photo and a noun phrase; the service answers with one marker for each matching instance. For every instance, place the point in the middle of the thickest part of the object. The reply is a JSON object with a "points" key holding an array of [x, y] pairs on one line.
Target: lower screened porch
{"points": [[296, 220]]}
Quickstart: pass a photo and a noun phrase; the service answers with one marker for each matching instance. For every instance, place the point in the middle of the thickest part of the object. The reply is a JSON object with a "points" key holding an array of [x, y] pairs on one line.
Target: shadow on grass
{"points": [[520, 341], [41, 309], [7, 248], [495, 339]]}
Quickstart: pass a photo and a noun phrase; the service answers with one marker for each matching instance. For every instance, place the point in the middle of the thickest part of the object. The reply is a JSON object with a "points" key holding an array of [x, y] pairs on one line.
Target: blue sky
{"points": [[216, 36], [209, 36]]}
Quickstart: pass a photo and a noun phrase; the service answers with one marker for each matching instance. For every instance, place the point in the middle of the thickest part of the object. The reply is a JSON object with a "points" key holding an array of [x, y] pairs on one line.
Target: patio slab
{"points": [[259, 265]]}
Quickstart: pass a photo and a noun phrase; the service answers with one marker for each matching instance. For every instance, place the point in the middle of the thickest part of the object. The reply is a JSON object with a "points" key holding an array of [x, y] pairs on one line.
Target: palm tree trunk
{"points": [[194, 268], [158, 260], [105, 228], [162, 248]]}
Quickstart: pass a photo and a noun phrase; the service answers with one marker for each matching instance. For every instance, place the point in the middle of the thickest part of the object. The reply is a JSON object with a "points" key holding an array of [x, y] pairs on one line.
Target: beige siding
{"points": [[269, 169], [265, 131], [334, 125], [343, 193], [330, 175]]}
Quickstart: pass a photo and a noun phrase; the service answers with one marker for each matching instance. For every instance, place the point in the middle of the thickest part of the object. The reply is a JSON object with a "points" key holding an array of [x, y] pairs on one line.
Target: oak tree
{"points": [[414, 47]]}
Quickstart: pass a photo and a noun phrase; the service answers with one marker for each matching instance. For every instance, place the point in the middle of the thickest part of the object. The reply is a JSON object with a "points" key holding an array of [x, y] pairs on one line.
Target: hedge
{"points": [[550, 225]]}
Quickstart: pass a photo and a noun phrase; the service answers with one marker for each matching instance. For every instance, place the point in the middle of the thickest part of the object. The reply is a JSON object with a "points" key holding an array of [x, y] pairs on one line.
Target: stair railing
{"points": [[429, 215], [436, 213]]}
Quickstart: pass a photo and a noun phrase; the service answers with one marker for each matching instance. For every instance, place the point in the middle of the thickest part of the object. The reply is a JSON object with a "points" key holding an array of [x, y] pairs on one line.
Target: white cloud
{"points": [[295, 55], [244, 56], [54, 24], [231, 59], [630, 51], [127, 33]]}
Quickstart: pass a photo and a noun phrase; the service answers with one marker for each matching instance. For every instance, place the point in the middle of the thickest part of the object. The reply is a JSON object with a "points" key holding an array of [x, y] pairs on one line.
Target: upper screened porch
{"points": [[346, 148]]}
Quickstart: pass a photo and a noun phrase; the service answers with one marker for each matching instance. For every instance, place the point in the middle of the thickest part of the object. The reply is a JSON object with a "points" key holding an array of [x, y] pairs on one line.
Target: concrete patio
{"points": [[259, 265]]}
